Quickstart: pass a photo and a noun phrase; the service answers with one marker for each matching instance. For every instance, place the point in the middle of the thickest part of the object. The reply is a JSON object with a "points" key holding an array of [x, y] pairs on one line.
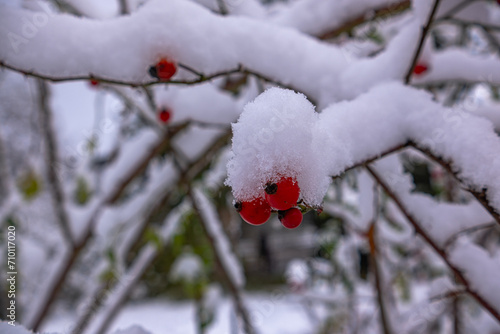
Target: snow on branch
{"points": [[389, 116], [464, 262], [459, 65], [227, 260], [223, 248], [326, 18]]}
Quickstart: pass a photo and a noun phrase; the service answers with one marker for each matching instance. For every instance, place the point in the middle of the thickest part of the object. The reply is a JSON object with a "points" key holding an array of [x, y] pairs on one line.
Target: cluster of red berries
{"points": [[163, 70], [281, 196]]}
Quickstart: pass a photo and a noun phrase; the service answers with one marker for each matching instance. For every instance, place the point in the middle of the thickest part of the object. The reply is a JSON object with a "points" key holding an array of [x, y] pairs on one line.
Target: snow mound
{"points": [[273, 138]]}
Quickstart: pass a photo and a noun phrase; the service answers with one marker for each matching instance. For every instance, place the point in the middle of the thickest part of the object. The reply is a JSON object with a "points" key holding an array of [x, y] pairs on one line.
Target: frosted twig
{"points": [[51, 159], [201, 206], [419, 230], [425, 31]]}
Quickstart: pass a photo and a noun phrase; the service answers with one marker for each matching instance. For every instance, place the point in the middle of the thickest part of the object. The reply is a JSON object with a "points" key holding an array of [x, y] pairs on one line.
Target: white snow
{"points": [[481, 269], [187, 267]]}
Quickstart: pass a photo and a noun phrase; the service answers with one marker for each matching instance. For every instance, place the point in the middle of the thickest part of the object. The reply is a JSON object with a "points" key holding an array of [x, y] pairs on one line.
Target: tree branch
{"points": [[425, 31], [378, 13], [481, 196], [233, 288], [411, 219], [51, 160]]}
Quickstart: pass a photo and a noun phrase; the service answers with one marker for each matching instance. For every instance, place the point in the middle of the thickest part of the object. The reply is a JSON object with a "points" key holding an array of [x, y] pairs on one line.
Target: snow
{"points": [[274, 137], [274, 313], [352, 108], [187, 267], [319, 17], [472, 260], [456, 64], [230, 45]]}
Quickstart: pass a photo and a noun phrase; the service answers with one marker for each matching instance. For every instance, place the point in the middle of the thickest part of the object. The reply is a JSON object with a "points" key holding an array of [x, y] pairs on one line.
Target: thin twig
{"points": [[51, 159], [201, 79], [425, 31], [377, 14]]}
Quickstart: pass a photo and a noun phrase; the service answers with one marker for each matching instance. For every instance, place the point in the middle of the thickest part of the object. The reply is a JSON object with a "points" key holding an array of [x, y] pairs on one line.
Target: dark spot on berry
{"points": [[271, 188], [237, 206], [153, 72]]}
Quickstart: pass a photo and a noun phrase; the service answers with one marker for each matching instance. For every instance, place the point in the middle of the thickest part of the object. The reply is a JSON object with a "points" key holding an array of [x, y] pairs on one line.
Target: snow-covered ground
{"points": [[272, 314]]}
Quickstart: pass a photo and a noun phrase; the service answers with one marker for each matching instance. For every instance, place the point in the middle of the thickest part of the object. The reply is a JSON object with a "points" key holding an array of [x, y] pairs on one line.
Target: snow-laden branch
{"points": [[478, 286], [355, 132], [226, 259], [459, 65], [248, 45], [125, 284], [326, 18]]}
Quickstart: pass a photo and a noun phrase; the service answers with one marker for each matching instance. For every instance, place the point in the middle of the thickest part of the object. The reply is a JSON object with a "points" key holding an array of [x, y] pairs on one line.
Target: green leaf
{"points": [[82, 192], [29, 185]]}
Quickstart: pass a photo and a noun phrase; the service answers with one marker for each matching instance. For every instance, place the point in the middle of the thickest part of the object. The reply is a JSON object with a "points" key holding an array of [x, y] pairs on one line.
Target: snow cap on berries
{"points": [[273, 138]]}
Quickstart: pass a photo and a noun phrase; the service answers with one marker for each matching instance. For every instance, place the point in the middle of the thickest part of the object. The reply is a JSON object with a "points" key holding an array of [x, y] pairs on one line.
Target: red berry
{"points": [[94, 82], [164, 69], [283, 194], [290, 218], [254, 212], [420, 68], [164, 115]]}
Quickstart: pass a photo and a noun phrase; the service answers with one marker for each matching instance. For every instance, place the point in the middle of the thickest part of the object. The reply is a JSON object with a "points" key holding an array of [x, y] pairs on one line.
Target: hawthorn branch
{"points": [[201, 77], [156, 212], [427, 238], [51, 159], [233, 288], [481, 196], [68, 263], [378, 13], [425, 31]]}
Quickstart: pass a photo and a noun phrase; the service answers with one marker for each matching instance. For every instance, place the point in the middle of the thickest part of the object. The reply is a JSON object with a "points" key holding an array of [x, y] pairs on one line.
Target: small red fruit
{"points": [[164, 115], [163, 70], [94, 82], [283, 194], [420, 68], [254, 212], [290, 218]]}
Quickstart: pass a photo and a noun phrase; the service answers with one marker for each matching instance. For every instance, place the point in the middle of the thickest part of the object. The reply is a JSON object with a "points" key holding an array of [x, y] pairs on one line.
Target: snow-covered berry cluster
{"points": [[277, 163]]}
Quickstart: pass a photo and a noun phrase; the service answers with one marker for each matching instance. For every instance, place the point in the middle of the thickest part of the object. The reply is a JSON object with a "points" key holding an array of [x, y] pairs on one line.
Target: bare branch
{"points": [[51, 160], [201, 79], [425, 31], [233, 288], [378, 13]]}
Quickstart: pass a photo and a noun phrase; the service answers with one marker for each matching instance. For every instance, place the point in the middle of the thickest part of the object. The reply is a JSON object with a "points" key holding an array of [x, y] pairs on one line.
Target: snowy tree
{"points": [[132, 133]]}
